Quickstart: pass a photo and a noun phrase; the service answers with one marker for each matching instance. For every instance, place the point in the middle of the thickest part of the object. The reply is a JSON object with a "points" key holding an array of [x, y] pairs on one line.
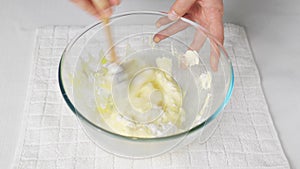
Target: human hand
{"points": [[208, 13], [98, 8]]}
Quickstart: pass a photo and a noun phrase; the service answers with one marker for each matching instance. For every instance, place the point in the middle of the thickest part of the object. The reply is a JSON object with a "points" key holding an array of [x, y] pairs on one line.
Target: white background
{"points": [[273, 28]]}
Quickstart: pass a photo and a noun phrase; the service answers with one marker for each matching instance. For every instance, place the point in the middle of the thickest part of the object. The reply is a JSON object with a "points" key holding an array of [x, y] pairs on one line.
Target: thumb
{"points": [[179, 8]]}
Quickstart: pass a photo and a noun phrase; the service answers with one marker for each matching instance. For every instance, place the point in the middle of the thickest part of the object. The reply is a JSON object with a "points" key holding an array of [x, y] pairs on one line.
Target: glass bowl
{"points": [[155, 96]]}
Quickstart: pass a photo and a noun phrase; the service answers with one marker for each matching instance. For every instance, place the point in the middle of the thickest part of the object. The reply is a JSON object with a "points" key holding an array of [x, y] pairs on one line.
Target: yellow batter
{"points": [[154, 97]]}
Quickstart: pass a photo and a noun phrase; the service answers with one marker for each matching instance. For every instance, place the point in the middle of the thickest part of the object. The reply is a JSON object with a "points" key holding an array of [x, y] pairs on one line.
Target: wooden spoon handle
{"points": [[113, 54]]}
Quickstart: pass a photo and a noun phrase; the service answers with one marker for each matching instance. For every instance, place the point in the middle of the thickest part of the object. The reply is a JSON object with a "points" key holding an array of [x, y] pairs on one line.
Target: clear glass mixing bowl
{"points": [[98, 90]]}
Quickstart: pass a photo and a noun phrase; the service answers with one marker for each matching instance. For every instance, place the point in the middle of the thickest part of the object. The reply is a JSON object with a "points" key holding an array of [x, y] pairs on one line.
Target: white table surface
{"points": [[272, 27]]}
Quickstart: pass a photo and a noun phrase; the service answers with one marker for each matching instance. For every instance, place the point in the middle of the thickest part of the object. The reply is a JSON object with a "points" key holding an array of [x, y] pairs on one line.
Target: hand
{"points": [[98, 8], [208, 13]]}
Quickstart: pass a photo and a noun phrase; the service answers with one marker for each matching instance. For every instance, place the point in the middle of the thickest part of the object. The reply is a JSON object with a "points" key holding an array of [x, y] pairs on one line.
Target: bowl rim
{"points": [[131, 138]]}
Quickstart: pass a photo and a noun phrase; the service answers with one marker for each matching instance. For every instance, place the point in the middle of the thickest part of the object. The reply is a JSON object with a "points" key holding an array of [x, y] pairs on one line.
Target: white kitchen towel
{"points": [[52, 139]]}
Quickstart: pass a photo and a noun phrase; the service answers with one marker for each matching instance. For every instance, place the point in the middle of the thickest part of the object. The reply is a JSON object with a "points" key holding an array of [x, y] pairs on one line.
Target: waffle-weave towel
{"points": [[52, 139]]}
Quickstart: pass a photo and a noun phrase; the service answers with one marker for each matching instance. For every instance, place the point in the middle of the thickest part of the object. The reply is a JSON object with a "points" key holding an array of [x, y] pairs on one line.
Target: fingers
{"points": [[215, 22], [162, 21], [179, 8], [216, 28], [98, 8], [214, 56], [103, 8], [86, 5], [211, 3], [114, 2], [207, 12], [213, 13], [198, 40], [170, 30]]}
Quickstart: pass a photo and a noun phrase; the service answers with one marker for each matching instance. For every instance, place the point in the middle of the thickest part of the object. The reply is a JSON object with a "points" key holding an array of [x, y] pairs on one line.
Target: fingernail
{"points": [[173, 15], [156, 39]]}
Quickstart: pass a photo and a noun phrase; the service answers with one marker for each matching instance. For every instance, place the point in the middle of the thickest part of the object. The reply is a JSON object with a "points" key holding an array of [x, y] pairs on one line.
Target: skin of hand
{"points": [[98, 8], [208, 13]]}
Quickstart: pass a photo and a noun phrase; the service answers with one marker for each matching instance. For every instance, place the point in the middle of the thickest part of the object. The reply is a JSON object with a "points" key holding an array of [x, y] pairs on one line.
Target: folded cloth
{"points": [[52, 139]]}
